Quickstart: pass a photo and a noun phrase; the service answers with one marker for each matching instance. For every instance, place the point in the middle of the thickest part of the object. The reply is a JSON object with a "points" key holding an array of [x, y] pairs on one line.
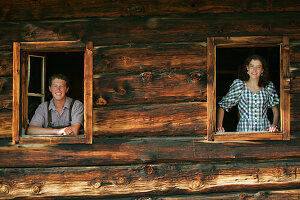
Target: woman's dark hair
{"points": [[263, 80], [59, 76]]}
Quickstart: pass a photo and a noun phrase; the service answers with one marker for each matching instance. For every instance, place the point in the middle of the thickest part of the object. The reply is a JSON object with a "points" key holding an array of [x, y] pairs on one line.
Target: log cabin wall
{"points": [[149, 109]]}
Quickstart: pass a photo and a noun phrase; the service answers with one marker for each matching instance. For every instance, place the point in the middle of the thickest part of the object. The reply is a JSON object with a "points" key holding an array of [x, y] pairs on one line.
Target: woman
{"points": [[254, 94]]}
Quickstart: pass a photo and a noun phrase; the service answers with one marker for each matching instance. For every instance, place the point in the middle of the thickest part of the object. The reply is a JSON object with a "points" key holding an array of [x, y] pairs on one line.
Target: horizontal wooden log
{"points": [[53, 9], [267, 194], [146, 120], [6, 59], [149, 87], [295, 51], [122, 151], [149, 57], [282, 194], [295, 113], [295, 79], [6, 123], [130, 30], [6, 86], [110, 181]]}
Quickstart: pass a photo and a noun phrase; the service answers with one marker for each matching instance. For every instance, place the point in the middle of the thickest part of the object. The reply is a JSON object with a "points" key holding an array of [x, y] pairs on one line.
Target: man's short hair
{"points": [[59, 76]]}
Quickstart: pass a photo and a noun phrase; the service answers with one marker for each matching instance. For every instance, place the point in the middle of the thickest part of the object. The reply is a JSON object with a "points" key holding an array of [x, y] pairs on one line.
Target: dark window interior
{"points": [[229, 62], [69, 63]]}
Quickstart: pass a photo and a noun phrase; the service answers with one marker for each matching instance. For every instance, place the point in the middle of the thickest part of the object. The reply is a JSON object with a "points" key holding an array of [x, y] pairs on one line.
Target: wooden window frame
{"points": [[255, 41], [19, 98]]}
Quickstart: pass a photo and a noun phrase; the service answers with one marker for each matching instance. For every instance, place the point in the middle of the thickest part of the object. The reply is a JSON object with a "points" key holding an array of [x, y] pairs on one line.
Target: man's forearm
{"points": [[36, 130]]}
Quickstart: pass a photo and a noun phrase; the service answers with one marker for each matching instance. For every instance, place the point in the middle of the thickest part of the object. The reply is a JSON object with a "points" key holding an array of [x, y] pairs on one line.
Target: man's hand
{"points": [[65, 131]]}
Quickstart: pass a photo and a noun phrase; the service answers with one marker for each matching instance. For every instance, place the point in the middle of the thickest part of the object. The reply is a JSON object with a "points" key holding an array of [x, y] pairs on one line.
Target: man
{"points": [[61, 116]]}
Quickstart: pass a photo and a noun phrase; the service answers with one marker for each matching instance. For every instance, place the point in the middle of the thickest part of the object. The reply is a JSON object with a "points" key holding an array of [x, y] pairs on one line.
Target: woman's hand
{"points": [[273, 128], [220, 129]]}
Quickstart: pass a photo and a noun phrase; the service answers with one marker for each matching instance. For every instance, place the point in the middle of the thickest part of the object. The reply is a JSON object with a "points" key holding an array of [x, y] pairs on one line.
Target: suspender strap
{"points": [[70, 112], [50, 115]]}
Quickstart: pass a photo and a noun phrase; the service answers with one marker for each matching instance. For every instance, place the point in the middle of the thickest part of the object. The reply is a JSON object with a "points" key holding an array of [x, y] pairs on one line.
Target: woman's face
{"points": [[255, 69]]}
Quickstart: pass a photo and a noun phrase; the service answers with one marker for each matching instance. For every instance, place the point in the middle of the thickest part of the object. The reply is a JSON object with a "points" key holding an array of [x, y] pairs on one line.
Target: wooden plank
{"points": [[154, 119], [229, 136], [16, 92], [53, 46], [285, 88], [88, 93], [248, 41], [52, 139], [149, 57], [143, 150], [114, 181], [211, 88], [149, 87], [6, 92], [53, 9], [6, 65], [129, 30]]}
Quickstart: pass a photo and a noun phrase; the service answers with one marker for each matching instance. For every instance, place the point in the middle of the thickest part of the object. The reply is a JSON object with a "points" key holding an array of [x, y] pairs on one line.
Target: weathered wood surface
{"points": [[5, 123], [6, 92], [149, 87], [295, 113], [124, 151], [170, 29], [149, 179], [23, 10], [150, 57], [231, 136], [282, 194], [295, 51], [151, 120], [6, 59], [260, 195]]}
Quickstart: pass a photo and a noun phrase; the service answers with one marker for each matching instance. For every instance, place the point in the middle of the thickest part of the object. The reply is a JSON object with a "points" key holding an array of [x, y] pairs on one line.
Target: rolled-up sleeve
{"points": [[233, 96], [77, 113], [38, 118]]}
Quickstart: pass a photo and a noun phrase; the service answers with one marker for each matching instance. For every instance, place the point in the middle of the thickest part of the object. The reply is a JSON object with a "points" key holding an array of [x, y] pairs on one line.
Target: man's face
{"points": [[58, 89]]}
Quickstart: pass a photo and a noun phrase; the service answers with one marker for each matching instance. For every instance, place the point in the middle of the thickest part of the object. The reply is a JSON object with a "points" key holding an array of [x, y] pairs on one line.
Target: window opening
{"points": [[228, 68], [269, 47], [33, 64], [40, 69]]}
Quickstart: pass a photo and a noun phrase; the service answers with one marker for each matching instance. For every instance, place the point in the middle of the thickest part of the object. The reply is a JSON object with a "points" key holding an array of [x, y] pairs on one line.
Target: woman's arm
{"points": [[220, 118], [275, 111]]}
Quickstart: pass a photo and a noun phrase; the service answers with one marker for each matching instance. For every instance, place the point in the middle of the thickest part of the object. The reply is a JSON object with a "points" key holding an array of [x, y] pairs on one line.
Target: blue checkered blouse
{"points": [[252, 106]]}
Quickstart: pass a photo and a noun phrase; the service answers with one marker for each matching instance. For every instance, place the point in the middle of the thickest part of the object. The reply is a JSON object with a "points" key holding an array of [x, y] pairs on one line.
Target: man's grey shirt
{"points": [[40, 117]]}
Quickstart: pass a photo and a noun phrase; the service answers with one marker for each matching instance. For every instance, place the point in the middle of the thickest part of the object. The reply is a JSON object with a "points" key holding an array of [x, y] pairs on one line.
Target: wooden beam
{"points": [[19, 10], [151, 120], [122, 151], [130, 30], [16, 92], [211, 88], [149, 87], [114, 181], [150, 57]]}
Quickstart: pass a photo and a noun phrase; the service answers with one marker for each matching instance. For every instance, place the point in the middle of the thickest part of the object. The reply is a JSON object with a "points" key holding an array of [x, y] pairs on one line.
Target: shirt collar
{"points": [[66, 105]]}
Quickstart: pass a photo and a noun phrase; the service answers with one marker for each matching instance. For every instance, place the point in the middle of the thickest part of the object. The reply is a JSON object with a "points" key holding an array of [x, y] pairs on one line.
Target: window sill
{"points": [[51, 139], [260, 135]]}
